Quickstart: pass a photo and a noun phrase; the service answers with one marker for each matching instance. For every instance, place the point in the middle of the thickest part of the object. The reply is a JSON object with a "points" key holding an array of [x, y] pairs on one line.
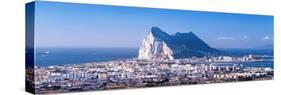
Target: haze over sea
{"points": [[61, 56]]}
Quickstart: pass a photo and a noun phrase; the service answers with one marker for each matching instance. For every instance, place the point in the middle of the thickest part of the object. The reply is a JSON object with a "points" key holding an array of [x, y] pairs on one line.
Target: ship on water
{"points": [[44, 53]]}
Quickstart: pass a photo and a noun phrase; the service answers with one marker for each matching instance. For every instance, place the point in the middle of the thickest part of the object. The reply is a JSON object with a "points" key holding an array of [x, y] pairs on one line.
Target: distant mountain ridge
{"points": [[159, 45]]}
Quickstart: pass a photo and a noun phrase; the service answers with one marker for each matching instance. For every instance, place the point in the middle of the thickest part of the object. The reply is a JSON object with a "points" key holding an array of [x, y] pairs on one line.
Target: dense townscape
{"points": [[134, 73]]}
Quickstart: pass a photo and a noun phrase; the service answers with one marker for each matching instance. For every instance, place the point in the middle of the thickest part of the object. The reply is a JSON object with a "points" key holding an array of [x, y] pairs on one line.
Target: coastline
{"points": [[134, 73]]}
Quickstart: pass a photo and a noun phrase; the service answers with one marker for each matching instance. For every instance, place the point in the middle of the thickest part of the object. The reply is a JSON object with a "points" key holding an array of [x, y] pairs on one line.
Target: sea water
{"points": [[61, 56]]}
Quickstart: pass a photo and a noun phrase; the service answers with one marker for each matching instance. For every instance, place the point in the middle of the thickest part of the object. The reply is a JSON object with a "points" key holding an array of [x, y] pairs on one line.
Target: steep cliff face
{"points": [[158, 45], [153, 47]]}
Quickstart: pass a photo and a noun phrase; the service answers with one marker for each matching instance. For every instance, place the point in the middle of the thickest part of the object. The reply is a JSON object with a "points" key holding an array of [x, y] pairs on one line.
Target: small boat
{"points": [[44, 53]]}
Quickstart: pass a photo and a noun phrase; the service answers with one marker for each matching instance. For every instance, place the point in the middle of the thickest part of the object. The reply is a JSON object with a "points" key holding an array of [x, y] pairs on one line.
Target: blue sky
{"points": [[87, 26]]}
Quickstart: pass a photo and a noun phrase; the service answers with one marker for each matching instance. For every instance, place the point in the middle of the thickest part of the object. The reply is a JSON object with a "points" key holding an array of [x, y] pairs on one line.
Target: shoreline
{"points": [[135, 73], [134, 59]]}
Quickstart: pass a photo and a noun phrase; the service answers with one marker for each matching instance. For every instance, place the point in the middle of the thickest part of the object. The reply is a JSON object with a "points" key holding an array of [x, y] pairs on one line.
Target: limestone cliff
{"points": [[158, 45]]}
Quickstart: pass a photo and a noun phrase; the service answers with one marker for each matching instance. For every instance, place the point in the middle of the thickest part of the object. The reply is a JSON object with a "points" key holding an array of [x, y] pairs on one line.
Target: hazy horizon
{"points": [[71, 25]]}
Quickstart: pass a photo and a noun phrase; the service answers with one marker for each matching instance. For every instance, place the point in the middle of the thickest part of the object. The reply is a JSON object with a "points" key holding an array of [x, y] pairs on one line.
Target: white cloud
{"points": [[232, 38], [266, 38], [226, 38]]}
